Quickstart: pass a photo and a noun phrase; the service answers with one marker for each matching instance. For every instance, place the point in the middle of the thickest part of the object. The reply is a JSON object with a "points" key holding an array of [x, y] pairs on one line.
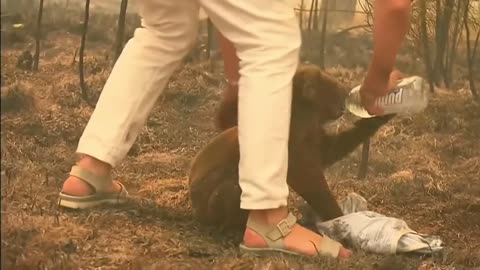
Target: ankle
{"points": [[94, 165], [269, 216]]}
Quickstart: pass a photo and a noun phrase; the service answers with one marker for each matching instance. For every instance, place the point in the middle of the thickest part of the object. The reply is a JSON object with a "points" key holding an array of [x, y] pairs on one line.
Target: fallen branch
{"points": [[352, 28]]}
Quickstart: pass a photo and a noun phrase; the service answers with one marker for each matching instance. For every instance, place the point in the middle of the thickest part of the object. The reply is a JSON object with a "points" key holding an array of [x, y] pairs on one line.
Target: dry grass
{"points": [[424, 169]]}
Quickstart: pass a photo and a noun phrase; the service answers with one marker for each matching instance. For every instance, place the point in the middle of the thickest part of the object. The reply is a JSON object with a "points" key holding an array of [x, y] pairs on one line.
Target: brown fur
{"points": [[317, 99], [227, 113]]}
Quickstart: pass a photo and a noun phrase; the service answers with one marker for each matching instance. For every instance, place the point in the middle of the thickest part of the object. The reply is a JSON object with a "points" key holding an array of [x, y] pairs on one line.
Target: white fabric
{"points": [[202, 14], [373, 232], [267, 37]]}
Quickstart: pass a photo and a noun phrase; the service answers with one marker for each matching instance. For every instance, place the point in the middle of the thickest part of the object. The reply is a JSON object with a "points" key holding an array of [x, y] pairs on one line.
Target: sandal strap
{"points": [[329, 247], [274, 234], [99, 183], [283, 228]]}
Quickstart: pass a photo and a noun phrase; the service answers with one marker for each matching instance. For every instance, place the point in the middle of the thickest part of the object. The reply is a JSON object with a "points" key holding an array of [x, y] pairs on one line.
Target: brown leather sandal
{"points": [[274, 237], [100, 197]]}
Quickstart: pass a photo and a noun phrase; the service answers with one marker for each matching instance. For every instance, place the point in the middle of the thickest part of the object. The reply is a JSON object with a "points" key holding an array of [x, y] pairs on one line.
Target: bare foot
{"points": [[76, 187], [299, 240]]}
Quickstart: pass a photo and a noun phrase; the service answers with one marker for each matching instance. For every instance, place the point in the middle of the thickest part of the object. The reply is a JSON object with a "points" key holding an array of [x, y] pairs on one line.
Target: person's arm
{"points": [[390, 26]]}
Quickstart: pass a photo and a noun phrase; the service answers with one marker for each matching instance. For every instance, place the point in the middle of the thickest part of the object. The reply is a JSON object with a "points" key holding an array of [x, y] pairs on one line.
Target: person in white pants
{"points": [[267, 39]]}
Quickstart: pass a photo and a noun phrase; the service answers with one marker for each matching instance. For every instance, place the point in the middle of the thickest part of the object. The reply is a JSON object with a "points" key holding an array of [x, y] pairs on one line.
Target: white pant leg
{"points": [[139, 77], [267, 37]]}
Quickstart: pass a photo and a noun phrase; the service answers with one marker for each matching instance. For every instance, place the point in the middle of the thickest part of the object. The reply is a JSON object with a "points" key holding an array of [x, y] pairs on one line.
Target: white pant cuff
{"points": [[98, 150], [264, 205]]}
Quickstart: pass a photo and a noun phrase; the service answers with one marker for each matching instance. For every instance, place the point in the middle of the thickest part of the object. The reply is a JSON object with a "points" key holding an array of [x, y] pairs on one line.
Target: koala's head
{"points": [[318, 92]]}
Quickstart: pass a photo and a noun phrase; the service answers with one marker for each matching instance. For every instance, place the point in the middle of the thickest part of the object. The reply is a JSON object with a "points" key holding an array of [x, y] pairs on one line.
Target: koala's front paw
{"points": [[376, 121]]}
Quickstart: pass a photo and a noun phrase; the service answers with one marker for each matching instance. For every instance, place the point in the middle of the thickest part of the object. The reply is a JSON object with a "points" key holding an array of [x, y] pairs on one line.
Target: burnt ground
{"points": [[424, 169]]}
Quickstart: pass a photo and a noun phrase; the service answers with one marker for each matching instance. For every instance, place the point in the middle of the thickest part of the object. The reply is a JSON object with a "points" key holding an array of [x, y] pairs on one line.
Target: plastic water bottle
{"points": [[410, 96]]}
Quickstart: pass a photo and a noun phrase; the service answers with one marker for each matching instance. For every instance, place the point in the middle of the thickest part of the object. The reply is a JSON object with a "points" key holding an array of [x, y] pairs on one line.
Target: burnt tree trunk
{"points": [[315, 16], [475, 46], [83, 87], [323, 33], [120, 30], [38, 36], [426, 50], [444, 15], [310, 16], [470, 52], [210, 41], [300, 16], [451, 54]]}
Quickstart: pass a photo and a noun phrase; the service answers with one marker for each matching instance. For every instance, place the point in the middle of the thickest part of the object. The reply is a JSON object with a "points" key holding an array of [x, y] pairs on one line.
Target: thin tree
{"points": [[323, 33], [315, 16], [83, 87], [302, 6], [119, 43], [38, 36], [426, 50], [210, 43], [451, 54], [470, 52], [310, 16], [475, 45], [444, 11]]}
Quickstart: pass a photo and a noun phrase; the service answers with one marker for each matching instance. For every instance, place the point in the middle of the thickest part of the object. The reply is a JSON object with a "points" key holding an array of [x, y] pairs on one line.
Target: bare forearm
{"points": [[391, 24]]}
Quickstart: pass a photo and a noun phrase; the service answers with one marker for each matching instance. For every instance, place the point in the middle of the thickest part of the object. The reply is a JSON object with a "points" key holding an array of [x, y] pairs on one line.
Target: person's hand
{"points": [[375, 86]]}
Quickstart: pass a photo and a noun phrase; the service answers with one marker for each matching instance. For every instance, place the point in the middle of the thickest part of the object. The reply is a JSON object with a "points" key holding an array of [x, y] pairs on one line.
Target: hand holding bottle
{"points": [[377, 85], [388, 95]]}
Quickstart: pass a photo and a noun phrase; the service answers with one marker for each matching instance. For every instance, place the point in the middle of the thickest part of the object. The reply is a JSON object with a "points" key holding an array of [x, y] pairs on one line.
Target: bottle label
{"points": [[392, 98]]}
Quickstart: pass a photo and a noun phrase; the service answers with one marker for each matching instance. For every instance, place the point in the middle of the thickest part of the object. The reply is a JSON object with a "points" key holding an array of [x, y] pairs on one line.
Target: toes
{"points": [[117, 186], [344, 253]]}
